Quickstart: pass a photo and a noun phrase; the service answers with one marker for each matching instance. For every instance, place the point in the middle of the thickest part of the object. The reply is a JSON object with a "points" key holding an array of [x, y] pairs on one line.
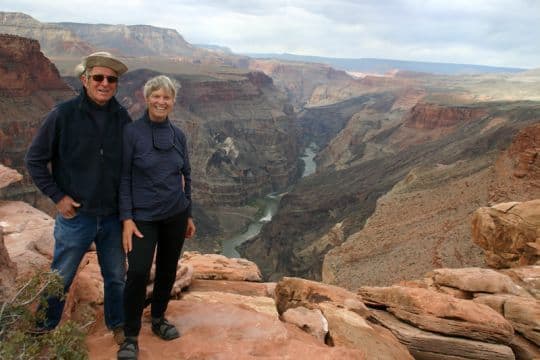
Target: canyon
{"points": [[403, 160], [416, 236], [224, 309]]}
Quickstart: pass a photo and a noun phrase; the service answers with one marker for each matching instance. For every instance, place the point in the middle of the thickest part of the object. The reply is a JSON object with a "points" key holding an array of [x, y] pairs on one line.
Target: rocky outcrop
{"points": [[299, 80], [55, 40], [30, 86], [508, 233], [431, 116], [8, 269], [524, 154], [131, 40], [468, 313], [424, 314], [28, 236], [436, 186], [24, 69]]}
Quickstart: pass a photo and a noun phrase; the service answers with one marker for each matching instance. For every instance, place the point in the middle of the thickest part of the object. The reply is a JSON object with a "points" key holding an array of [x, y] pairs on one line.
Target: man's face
{"points": [[100, 91]]}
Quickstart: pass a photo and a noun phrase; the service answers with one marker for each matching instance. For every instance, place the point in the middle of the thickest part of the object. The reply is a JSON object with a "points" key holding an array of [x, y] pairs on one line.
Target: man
{"points": [[82, 140]]}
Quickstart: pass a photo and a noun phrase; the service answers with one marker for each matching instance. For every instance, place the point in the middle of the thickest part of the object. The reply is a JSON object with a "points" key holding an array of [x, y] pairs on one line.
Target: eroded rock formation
{"points": [[30, 86]]}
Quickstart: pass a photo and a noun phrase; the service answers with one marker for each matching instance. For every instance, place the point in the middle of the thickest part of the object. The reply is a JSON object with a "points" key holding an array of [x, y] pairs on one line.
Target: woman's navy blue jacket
{"points": [[85, 161], [151, 185]]}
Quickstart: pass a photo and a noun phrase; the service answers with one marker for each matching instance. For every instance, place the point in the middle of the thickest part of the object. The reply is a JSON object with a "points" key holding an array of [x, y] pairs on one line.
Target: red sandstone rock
{"points": [[429, 345], [24, 69], [347, 328], [527, 277], [219, 267], [294, 292], [8, 271], [431, 116], [478, 280], [184, 274], [222, 331], [237, 287], [28, 236], [441, 313], [509, 233], [311, 321], [8, 176], [524, 153]]}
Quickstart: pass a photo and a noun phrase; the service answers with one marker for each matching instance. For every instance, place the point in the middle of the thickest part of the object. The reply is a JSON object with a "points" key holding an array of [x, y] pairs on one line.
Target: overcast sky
{"points": [[487, 32]]}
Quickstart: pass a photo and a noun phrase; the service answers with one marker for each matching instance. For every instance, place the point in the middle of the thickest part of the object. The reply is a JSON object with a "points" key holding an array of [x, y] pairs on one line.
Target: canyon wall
{"points": [[29, 86]]}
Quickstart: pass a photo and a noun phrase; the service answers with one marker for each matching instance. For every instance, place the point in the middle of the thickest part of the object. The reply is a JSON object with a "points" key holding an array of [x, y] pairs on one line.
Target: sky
{"points": [[483, 32]]}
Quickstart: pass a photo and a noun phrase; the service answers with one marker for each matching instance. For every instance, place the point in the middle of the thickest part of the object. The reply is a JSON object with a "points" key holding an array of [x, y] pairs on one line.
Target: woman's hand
{"points": [[190, 230], [129, 229]]}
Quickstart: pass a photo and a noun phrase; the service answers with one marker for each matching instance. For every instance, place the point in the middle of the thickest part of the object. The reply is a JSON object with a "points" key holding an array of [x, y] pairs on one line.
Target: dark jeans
{"points": [[72, 240], [168, 235]]}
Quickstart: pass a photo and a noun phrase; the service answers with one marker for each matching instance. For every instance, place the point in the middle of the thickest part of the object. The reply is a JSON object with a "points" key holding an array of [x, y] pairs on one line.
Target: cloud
{"points": [[491, 32]]}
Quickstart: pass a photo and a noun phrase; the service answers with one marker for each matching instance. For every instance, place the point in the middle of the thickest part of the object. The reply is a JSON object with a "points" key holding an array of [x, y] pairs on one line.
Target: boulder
{"points": [[294, 292], [509, 233], [28, 236], [219, 267], [478, 280], [311, 321], [347, 328], [441, 313], [428, 345]]}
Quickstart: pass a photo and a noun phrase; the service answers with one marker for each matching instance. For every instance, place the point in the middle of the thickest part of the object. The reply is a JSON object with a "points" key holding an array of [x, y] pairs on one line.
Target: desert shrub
{"points": [[18, 321]]}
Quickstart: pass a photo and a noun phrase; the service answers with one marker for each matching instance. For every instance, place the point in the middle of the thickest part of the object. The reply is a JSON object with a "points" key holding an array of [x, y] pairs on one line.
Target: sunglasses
{"points": [[100, 77], [163, 139]]}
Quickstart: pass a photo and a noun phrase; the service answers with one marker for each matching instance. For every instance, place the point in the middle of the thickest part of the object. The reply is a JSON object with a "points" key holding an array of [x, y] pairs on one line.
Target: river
{"points": [[271, 203]]}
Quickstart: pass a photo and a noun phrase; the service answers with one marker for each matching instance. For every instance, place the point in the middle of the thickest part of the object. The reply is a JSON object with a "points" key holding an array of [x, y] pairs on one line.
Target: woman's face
{"points": [[160, 104]]}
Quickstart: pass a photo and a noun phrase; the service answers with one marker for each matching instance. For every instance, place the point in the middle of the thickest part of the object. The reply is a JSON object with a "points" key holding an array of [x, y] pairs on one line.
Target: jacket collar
{"points": [[146, 119], [86, 103]]}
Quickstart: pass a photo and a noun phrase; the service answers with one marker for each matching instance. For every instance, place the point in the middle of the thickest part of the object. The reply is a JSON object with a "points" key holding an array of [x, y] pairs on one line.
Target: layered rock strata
{"points": [[427, 188], [30, 87], [467, 313]]}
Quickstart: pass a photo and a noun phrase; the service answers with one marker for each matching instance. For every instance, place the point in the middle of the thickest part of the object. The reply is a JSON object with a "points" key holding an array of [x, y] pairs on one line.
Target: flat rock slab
{"points": [[427, 345], [224, 332], [441, 313]]}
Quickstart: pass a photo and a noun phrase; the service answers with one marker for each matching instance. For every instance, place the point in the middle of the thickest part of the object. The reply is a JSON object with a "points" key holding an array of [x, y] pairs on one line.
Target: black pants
{"points": [[168, 235]]}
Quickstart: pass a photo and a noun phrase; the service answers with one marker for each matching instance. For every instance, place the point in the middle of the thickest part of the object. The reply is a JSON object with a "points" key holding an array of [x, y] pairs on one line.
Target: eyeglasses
{"points": [[100, 77], [164, 139]]}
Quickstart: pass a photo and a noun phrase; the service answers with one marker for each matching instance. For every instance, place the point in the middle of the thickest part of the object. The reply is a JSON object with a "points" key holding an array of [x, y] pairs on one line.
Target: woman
{"points": [[155, 208]]}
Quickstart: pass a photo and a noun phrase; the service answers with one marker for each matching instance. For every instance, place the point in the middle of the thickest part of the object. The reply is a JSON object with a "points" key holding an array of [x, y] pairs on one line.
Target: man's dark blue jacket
{"points": [[85, 154]]}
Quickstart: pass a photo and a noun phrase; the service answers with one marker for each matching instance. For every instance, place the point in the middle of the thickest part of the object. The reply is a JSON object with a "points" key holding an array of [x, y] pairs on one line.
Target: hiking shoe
{"points": [[129, 350], [164, 329], [118, 335]]}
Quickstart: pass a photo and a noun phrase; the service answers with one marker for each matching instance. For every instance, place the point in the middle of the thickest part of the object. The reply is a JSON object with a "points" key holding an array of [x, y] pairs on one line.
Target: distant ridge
{"points": [[381, 66]]}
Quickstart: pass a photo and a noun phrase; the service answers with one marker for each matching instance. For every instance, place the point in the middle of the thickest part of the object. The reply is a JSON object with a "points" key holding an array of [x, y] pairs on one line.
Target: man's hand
{"points": [[129, 229], [67, 207], [190, 231]]}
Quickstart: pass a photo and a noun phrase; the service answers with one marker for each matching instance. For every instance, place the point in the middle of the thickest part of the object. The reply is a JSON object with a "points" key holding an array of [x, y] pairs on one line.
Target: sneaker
{"points": [[164, 329], [118, 335], [129, 350]]}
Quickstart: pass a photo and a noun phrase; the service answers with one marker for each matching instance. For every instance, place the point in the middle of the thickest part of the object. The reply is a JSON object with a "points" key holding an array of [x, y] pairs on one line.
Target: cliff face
{"points": [[30, 86], [299, 80], [436, 183], [24, 69], [55, 40], [433, 116], [134, 40]]}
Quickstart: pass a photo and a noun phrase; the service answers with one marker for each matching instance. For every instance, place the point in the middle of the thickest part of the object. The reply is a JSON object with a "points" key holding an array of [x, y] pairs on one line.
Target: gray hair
{"points": [[161, 82]]}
